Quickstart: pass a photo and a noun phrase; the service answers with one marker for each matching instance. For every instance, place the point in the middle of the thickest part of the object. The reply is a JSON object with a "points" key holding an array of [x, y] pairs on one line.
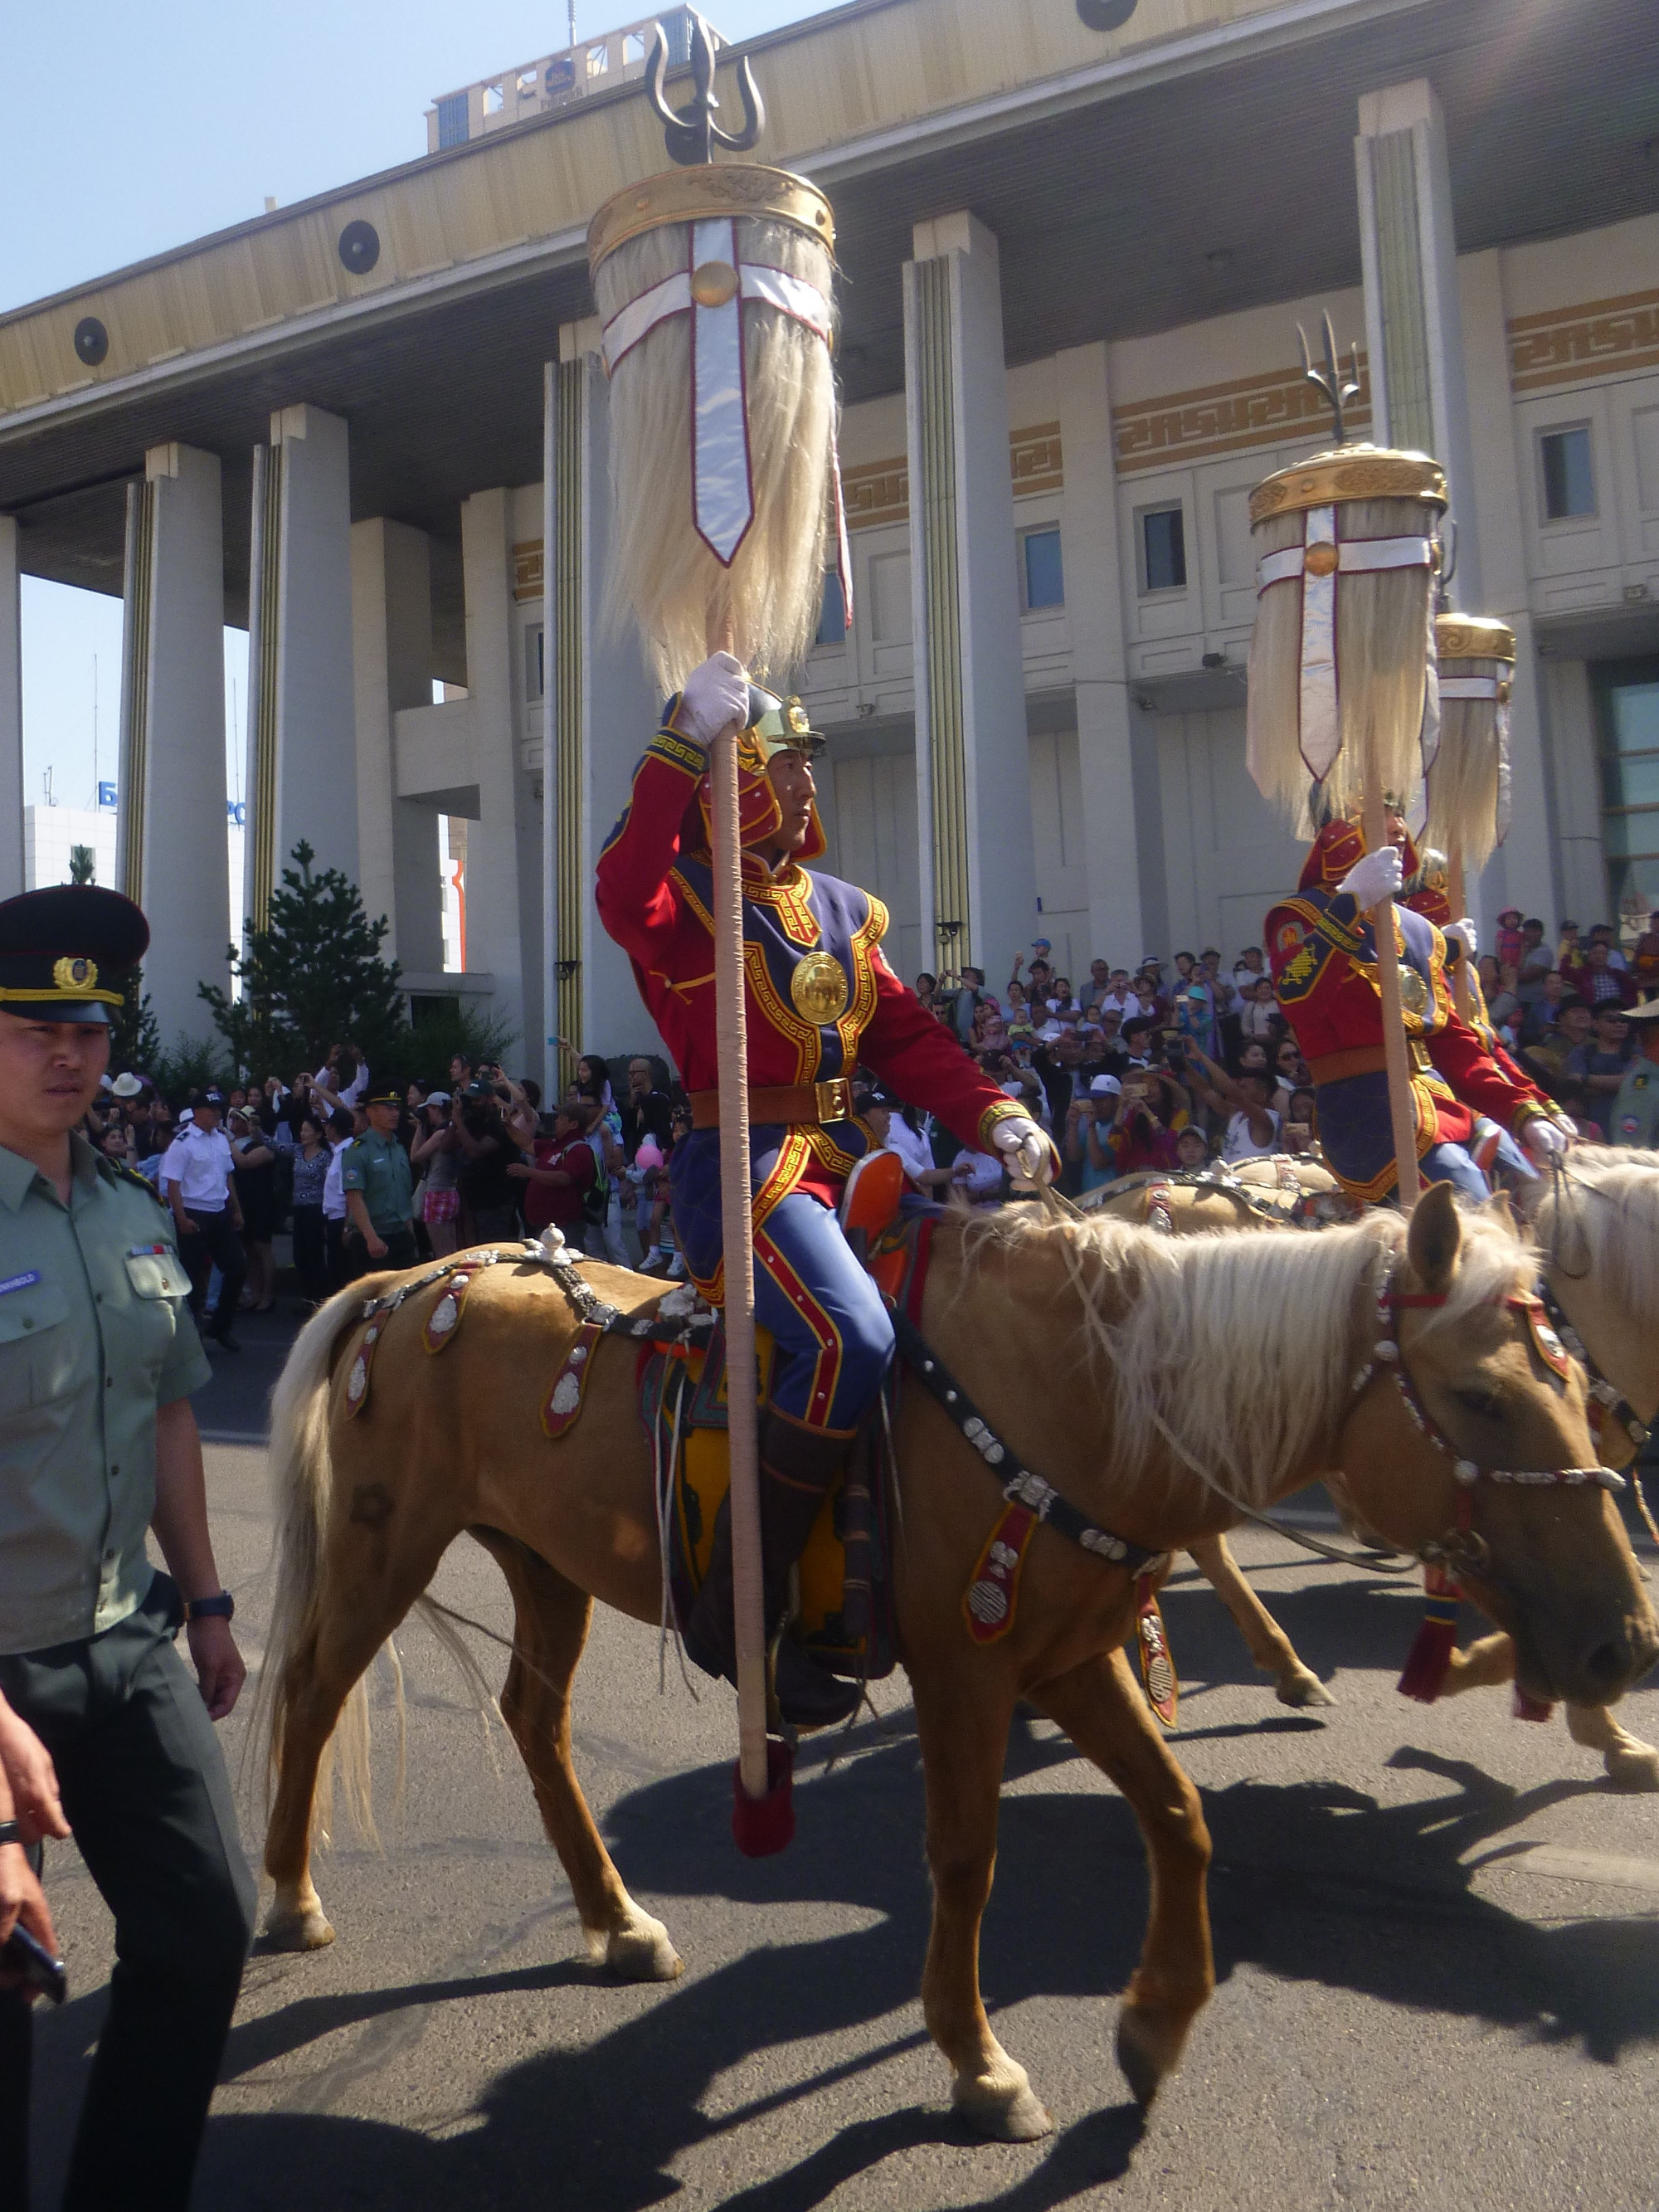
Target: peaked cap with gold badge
{"points": [[64, 951]]}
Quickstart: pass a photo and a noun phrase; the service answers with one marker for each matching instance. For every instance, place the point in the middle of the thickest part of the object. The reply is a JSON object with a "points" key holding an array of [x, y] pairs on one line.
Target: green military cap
{"points": [[63, 948], [385, 1094]]}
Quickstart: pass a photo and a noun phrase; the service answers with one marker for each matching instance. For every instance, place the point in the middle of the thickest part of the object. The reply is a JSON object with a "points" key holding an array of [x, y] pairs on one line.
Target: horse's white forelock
{"points": [[1610, 1229], [1236, 1353]]}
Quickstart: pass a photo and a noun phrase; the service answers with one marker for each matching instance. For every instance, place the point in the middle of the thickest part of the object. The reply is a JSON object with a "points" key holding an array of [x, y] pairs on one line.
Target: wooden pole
{"points": [[1462, 997], [737, 1235], [1395, 1056]]}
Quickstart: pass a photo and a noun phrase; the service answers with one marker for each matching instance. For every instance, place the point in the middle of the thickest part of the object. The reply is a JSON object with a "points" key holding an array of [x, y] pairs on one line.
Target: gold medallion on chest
{"points": [[818, 988], [1413, 991]]}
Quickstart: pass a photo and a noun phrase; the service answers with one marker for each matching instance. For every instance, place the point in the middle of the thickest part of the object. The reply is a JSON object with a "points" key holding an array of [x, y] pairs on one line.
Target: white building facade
{"points": [[1036, 717]]}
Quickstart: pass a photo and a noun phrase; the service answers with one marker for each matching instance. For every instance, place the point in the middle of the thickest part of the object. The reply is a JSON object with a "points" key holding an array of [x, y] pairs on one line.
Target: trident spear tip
{"points": [[691, 132]]}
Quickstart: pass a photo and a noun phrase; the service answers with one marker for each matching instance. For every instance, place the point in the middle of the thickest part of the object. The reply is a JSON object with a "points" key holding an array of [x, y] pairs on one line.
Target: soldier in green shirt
{"points": [[1635, 1116], [99, 1446], [379, 1189]]}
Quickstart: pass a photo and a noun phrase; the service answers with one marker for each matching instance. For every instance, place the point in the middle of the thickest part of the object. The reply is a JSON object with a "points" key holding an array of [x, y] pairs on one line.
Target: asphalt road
{"points": [[1437, 1935]]}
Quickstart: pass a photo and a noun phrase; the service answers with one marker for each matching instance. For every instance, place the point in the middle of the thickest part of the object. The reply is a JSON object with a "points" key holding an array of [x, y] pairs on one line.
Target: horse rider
{"points": [[1469, 1106], [821, 999]]}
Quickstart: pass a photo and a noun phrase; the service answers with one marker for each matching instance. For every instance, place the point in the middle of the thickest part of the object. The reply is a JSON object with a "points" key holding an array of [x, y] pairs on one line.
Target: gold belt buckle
{"points": [[835, 1097], [1420, 1061]]}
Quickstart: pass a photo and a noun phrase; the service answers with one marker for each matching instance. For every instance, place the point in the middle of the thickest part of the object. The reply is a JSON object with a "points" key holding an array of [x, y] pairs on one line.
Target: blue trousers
{"points": [[1451, 1163], [831, 1331]]}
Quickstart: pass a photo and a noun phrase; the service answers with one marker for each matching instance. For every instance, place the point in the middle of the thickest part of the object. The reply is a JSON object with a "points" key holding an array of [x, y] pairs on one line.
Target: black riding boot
{"points": [[797, 1467]]}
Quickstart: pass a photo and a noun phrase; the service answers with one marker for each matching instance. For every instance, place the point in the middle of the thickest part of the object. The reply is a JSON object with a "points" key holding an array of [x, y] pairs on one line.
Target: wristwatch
{"points": [[221, 1607], [10, 1833]]}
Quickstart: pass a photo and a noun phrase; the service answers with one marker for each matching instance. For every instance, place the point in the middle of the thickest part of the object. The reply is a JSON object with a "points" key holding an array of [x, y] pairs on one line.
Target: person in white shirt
{"points": [[977, 1175], [198, 1183], [903, 1131], [1253, 1126], [342, 1129]]}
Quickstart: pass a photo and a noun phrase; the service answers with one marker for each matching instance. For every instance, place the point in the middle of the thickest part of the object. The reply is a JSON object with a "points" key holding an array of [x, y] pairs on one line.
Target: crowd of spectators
{"points": [[1164, 1067]]}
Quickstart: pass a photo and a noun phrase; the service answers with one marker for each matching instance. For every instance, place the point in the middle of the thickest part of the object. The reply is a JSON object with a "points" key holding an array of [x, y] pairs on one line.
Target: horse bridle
{"points": [[1460, 1549]]}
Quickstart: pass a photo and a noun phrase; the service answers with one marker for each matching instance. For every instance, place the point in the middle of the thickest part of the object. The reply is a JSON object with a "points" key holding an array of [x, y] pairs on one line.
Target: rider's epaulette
{"points": [[143, 1183], [1302, 945]]}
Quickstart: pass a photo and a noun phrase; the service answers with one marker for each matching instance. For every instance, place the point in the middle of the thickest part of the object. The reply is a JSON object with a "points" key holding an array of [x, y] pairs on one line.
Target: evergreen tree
{"points": [[83, 864], [135, 1039], [313, 977]]}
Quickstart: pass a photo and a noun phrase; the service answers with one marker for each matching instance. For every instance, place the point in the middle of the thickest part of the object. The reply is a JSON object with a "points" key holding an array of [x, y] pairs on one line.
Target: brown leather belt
{"points": [[1365, 1060], [792, 1103]]}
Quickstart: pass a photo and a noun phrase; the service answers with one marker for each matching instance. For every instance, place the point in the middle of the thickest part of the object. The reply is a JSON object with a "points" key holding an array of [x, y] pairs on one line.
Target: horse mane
{"points": [[1236, 1353], [1610, 1229]]}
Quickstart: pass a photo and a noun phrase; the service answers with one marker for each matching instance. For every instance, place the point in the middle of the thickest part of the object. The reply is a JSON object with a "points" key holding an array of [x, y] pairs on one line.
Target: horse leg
{"points": [[549, 1631], [1100, 1706], [1631, 1763], [963, 1741], [1269, 1647]]}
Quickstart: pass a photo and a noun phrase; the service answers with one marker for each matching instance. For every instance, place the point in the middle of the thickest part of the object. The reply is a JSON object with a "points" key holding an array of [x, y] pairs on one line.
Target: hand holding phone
{"points": [[27, 1964]]}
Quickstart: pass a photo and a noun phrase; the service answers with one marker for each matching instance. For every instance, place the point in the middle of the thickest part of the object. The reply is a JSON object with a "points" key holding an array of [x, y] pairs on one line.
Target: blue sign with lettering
{"points": [[106, 794], [236, 812]]}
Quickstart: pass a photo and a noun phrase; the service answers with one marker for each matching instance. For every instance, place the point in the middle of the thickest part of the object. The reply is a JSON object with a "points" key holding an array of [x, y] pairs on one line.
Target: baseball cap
{"points": [[1106, 1086], [437, 1098]]}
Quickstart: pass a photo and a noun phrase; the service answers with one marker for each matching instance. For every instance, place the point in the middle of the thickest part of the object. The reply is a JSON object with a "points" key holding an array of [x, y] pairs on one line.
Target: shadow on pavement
{"points": [[1313, 1883]]}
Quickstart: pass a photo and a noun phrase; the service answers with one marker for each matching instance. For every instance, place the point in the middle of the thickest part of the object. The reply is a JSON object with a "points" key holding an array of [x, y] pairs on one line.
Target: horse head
{"points": [[1596, 1221], [1469, 1443]]}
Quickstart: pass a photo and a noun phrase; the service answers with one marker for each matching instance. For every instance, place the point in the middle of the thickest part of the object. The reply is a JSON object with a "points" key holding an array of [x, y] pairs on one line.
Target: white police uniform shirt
{"points": [[200, 1163], [334, 1203]]}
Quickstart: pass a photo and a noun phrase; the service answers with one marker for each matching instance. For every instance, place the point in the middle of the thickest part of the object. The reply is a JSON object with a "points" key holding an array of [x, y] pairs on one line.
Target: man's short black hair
{"points": [[1532, 922], [1137, 1025]]}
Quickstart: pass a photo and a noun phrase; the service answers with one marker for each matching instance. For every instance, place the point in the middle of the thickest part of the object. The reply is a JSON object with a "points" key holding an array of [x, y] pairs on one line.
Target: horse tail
{"points": [[302, 1484]]}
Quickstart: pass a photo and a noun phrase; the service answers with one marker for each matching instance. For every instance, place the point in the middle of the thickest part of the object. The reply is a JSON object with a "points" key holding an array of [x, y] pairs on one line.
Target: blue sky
{"points": [[133, 127]]}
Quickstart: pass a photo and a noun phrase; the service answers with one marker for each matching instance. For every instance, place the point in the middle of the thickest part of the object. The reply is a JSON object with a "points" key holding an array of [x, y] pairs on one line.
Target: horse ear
{"points": [[1435, 1238], [1501, 1211]]}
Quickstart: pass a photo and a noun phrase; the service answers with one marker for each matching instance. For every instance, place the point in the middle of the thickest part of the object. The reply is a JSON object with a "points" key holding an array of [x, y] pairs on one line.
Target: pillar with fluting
{"points": [[973, 758], [11, 712], [171, 831], [598, 709], [1122, 820], [504, 842], [1413, 314], [302, 779], [392, 664]]}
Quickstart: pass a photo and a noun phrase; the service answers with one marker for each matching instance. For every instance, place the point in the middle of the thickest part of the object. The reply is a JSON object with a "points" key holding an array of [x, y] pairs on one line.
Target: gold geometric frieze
{"points": [[1597, 337], [1225, 418]]}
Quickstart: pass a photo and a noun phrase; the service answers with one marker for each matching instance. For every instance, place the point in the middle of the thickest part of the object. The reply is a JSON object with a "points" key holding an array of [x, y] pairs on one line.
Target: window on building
{"points": [[493, 99], [632, 49], [832, 615], [887, 588], [535, 661], [1569, 475], [526, 85], [1162, 549], [598, 60], [1626, 694], [1041, 577], [452, 120]]}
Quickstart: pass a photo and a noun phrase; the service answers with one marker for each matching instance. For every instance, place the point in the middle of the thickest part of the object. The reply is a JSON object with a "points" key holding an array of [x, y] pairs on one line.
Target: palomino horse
{"points": [[1597, 1222], [1161, 1342]]}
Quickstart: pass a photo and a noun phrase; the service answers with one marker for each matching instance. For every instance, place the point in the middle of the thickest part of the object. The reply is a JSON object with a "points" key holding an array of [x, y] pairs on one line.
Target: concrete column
{"points": [[301, 773], [973, 762], [1526, 871], [172, 832], [11, 713], [599, 707], [1112, 823], [503, 852], [392, 664], [1413, 323]]}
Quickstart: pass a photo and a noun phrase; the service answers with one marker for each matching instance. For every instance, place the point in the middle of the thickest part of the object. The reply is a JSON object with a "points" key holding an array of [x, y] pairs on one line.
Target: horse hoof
{"points": [[298, 1931], [1633, 1766], [639, 1952], [1003, 2107], [1303, 1688], [1149, 2047]]}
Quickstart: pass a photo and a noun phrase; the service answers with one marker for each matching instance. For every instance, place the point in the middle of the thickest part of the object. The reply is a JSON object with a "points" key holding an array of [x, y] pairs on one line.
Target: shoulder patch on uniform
{"points": [[143, 1183]]}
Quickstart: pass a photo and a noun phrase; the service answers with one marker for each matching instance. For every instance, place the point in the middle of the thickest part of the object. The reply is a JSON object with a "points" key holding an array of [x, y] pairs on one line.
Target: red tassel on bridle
{"points": [[1428, 1660]]}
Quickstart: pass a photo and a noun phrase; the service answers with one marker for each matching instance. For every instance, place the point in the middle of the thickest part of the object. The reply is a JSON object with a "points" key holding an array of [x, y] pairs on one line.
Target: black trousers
{"points": [[311, 1252], [399, 1251], [145, 1789], [214, 1243]]}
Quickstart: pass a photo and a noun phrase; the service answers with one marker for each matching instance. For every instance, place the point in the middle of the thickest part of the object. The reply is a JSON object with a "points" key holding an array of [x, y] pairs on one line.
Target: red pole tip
{"points": [[764, 1825]]}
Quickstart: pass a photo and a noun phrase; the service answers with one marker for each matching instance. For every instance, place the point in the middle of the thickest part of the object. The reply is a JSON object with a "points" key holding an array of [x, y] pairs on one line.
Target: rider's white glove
{"points": [[1545, 1140], [1464, 933], [1373, 879], [1027, 1153], [716, 695]]}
